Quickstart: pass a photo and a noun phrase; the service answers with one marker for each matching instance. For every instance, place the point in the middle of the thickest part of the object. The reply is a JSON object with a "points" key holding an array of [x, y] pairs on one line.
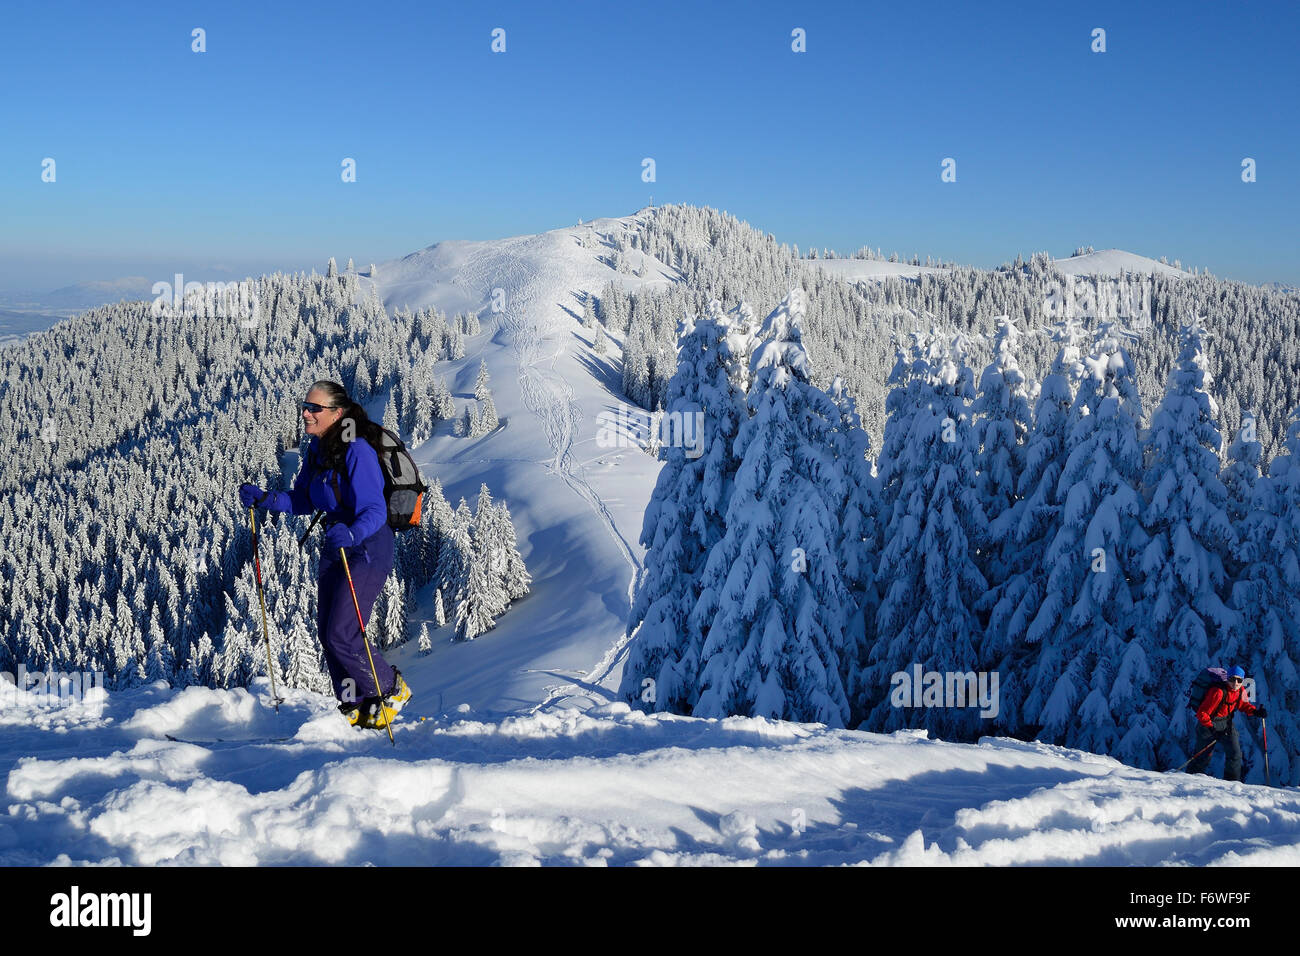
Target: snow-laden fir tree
{"points": [[513, 574], [1265, 640], [743, 336], [600, 344], [455, 555], [395, 612], [361, 384], [1027, 528], [683, 521], [909, 385], [439, 614], [772, 597], [425, 646], [1001, 429], [1183, 617], [485, 420], [858, 545], [481, 385], [444, 406], [1244, 456], [435, 523], [928, 576], [483, 599], [1090, 675]]}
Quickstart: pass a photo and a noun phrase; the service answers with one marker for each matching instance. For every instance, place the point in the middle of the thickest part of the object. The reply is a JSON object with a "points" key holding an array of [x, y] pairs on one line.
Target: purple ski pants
{"points": [[336, 618]]}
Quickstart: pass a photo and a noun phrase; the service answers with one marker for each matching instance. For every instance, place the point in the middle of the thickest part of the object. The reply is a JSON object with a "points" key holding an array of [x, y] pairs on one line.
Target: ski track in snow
{"points": [[551, 400], [608, 786]]}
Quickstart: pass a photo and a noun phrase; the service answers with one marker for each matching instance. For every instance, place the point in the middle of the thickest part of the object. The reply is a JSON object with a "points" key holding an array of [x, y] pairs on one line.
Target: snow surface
{"points": [[1111, 262], [605, 787], [1107, 262], [577, 507]]}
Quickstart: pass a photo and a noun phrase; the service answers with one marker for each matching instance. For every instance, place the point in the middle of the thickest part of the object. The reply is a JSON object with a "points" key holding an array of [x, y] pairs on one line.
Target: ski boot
{"points": [[351, 713], [375, 714], [396, 698]]}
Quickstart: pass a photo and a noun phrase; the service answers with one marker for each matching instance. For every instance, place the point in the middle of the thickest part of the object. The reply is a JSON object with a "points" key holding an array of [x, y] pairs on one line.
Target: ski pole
{"points": [[276, 699], [366, 641], [1264, 726], [303, 539], [1199, 752]]}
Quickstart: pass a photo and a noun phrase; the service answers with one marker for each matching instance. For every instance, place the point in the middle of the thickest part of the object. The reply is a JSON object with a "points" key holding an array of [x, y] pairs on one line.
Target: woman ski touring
{"points": [[341, 477]]}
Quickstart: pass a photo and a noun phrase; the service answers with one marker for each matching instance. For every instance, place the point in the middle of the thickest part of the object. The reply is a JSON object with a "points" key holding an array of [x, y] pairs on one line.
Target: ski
{"points": [[230, 740]]}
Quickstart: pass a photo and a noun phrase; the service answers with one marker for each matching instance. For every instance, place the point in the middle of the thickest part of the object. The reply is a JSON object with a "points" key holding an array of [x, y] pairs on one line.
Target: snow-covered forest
{"points": [[851, 325], [1034, 529], [1029, 470], [128, 430]]}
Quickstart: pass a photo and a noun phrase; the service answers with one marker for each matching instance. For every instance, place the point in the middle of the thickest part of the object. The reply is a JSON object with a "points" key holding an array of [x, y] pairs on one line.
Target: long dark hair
{"points": [[332, 447]]}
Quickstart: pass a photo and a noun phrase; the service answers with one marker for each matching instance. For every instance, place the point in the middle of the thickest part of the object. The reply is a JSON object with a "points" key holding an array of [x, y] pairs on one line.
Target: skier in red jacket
{"points": [[1214, 723]]}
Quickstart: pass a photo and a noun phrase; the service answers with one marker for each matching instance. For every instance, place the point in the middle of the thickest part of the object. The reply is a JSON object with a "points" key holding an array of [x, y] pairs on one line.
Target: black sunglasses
{"points": [[313, 407], [1236, 680]]}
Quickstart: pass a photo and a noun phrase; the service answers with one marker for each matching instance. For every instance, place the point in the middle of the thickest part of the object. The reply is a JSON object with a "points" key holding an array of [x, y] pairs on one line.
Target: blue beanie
{"points": [[1236, 672]]}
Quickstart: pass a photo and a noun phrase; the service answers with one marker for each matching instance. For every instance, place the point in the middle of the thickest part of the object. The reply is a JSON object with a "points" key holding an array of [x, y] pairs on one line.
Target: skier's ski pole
{"points": [[303, 539], [1264, 727], [276, 699], [388, 725], [1199, 752]]}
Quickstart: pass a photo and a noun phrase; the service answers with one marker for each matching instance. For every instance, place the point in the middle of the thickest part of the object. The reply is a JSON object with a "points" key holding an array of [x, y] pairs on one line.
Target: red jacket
{"points": [[1221, 704]]}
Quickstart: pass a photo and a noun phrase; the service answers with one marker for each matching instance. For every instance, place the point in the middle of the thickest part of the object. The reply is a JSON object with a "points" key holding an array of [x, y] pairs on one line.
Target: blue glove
{"points": [[339, 536], [250, 495]]}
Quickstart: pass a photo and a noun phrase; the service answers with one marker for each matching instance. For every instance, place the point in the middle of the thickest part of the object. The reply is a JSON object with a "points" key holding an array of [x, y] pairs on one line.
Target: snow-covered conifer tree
{"points": [[859, 544], [1265, 639], [1090, 674], [1244, 456], [1183, 617], [683, 521], [486, 420], [772, 593], [1028, 527], [515, 579], [454, 558], [929, 580], [394, 604], [1001, 429], [483, 599]]}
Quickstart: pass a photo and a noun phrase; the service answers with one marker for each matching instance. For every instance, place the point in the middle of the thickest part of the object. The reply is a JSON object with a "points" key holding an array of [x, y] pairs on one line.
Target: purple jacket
{"points": [[362, 509]]}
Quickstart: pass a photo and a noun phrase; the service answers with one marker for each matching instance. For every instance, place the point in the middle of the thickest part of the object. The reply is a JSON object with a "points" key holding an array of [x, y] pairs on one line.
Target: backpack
{"points": [[403, 489], [1210, 677]]}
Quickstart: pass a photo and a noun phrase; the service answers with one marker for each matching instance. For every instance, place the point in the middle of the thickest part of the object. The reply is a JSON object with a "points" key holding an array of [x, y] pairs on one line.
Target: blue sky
{"points": [[170, 160]]}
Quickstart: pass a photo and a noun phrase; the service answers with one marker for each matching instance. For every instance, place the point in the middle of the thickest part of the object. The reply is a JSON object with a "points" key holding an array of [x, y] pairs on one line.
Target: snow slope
{"points": [[603, 787], [1111, 262], [577, 506]]}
